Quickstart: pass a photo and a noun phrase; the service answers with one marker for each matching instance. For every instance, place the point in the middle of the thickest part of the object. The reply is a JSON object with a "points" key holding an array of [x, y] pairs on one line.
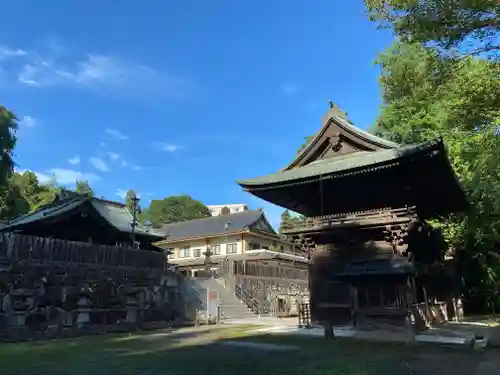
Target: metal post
{"points": [[135, 202], [208, 262]]}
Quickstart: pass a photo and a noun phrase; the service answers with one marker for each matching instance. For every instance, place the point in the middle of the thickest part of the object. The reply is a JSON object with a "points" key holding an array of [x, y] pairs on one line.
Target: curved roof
{"points": [[347, 163], [334, 116], [115, 213]]}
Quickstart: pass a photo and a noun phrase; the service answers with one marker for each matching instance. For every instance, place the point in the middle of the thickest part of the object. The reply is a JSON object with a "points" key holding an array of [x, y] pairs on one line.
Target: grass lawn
{"points": [[198, 351]]}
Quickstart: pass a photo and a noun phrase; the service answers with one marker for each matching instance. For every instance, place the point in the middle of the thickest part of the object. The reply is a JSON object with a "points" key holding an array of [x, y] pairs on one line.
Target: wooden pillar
{"points": [[355, 304], [329, 333]]}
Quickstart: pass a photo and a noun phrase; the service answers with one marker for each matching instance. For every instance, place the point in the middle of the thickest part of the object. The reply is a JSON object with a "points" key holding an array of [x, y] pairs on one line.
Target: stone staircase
{"points": [[232, 307]]}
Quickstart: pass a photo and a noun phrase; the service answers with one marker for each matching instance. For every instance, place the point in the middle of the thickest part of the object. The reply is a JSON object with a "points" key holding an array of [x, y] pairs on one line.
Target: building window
{"points": [[184, 252], [253, 246], [282, 248], [197, 253], [170, 253], [215, 250], [231, 248]]}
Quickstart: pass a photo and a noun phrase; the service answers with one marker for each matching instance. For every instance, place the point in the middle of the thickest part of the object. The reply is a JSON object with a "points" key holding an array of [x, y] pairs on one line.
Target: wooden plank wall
{"points": [[23, 248]]}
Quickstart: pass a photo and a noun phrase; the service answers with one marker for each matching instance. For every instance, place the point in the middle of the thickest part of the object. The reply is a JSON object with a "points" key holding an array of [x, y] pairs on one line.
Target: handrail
{"points": [[250, 301]]}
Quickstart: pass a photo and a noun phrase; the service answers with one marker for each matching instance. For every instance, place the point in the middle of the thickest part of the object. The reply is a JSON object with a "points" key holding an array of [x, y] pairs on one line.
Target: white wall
{"points": [[202, 245]]}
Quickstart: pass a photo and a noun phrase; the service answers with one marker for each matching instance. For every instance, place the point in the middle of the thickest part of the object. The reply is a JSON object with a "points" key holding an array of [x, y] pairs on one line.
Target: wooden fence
{"points": [[23, 248]]}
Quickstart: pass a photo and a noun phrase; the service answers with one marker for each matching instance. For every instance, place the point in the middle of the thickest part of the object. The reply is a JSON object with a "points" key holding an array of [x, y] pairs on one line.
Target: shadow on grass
{"points": [[209, 350]]}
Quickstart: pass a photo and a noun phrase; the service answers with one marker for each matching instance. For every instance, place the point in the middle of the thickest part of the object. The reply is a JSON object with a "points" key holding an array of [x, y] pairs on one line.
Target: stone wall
{"points": [[49, 287]]}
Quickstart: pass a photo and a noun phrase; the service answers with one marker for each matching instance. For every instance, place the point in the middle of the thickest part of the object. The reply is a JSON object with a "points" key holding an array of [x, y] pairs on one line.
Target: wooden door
{"points": [[334, 303]]}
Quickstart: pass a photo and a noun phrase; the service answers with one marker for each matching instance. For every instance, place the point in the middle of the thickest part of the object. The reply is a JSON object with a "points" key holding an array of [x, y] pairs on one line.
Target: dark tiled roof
{"points": [[213, 225], [115, 213], [354, 162]]}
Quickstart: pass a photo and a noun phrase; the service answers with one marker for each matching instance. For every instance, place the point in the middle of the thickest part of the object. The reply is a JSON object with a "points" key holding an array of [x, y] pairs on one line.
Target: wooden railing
{"points": [[23, 248], [368, 216]]}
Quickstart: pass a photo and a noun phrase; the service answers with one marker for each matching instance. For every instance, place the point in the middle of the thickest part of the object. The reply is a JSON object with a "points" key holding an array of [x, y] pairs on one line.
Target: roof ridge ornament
{"points": [[335, 110]]}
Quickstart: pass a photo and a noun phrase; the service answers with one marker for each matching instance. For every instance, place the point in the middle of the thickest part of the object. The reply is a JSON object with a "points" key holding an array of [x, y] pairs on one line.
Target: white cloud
{"points": [[118, 159], [44, 178], [6, 52], [136, 167], [121, 193], [63, 176], [289, 88], [67, 176], [114, 155], [116, 134], [99, 164], [100, 73], [168, 147], [74, 160], [29, 122]]}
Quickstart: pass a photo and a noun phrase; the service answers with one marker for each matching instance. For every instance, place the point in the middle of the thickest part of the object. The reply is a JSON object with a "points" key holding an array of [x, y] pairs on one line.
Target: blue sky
{"points": [[181, 97]]}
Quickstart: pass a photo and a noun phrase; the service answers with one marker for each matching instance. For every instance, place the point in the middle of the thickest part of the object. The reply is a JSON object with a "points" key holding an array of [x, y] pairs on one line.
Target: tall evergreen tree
{"points": [[452, 24], [8, 127]]}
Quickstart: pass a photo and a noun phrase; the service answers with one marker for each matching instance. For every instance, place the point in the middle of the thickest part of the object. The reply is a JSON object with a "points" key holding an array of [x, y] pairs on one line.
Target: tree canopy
{"points": [[426, 95], [8, 127], [173, 209], [23, 193], [129, 199], [289, 220], [83, 187], [427, 92], [472, 26]]}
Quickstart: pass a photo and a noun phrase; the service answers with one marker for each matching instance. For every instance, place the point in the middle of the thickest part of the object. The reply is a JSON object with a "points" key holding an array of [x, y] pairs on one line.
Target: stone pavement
{"points": [[489, 364]]}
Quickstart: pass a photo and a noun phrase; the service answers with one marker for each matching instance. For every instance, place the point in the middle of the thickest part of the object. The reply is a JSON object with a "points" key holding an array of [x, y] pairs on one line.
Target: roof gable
{"points": [[263, 225], [338, 137]]}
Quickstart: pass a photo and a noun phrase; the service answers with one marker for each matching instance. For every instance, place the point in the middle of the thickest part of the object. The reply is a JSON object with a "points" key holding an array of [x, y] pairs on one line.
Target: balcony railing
{"points": [[368, 217]]}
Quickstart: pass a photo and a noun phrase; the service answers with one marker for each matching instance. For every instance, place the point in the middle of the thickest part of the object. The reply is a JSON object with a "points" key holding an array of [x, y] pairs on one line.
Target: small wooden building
{"points": [[367, 201], [77, 217]]}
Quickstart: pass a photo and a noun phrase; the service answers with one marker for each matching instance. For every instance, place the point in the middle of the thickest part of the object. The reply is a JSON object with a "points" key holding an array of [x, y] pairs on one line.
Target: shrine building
{"points": [[374, 260]]}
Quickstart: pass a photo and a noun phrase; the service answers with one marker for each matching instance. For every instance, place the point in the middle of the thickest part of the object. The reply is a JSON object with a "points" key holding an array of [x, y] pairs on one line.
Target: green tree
{"points": [[446, 23], [285, 221], [175, 208], [288, 221], [46, 195], [426, 95], [83, 187], [129, 199], [8, 127], [12, 202], [34, 193]]}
